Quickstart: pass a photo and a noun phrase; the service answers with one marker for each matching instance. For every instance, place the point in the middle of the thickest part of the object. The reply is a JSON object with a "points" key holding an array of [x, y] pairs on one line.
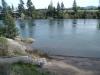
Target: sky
{"points": [[39, 4]]}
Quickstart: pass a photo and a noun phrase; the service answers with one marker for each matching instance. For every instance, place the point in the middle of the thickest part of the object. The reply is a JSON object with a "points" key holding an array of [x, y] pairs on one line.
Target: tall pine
{"points": [[4, 6], [31, 8], [10, 30], [75, 6], [58, 7], [58, 10], [62, 6], [21, 8], [50, 9]]}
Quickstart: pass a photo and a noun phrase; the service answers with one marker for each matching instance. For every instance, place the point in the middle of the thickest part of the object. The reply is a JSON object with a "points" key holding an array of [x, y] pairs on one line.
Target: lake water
{"points": [[73, 37]]}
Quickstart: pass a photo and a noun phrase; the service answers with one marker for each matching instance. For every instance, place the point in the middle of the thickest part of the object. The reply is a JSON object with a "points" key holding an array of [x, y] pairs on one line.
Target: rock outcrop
{"points": [[15, 48], [9, 47]]}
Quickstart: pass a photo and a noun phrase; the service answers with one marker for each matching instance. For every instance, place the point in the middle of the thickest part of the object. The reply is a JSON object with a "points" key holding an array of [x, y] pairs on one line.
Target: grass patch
{"points": [[26, 69], [3, 40], [3, 46]]}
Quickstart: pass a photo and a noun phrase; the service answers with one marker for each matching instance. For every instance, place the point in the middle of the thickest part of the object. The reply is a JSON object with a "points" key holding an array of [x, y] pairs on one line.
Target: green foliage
{"points": [[9, 10], [3, 46], [21, 8], [52, 12], [99, 8], [1, 31], [9, 30], [55, 12], [62, 6], [29, 4], [58, 10], [26, 69], [4, 6], [75, 6], [31, 8], [58, 7], [0, 8], [3, 40], [98, 14], [12, 8]]}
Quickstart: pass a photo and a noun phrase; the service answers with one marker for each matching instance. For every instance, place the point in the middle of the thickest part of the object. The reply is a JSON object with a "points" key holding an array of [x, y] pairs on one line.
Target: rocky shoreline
{"points": [[74, 66], [58, 65]]}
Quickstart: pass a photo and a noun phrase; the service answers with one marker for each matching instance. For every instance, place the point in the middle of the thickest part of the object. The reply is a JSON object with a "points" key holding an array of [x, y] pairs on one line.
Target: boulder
{"points": [[40, 61], [10, 47], [15, 48], [18, 38], [28, 40]]}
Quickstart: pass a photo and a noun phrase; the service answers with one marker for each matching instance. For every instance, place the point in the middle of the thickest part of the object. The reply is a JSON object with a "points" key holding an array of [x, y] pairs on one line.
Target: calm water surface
{"points": [[74, 37]]}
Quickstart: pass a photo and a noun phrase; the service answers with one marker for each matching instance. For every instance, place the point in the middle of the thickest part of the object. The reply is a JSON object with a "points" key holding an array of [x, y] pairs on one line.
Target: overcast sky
{"points": [[44, 3]]}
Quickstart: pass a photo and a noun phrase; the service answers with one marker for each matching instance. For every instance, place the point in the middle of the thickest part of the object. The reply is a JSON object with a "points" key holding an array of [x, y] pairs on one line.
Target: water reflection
{"points": [[74, 23], [31, 28], [98, 24], [84, 21], [51, 28], [22, 26], [51, 24], [74, 26], [65, 37], [60, 26]]}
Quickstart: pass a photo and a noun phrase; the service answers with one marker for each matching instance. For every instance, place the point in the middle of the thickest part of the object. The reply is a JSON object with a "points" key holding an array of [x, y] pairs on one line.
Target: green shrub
{"points": [[26, 69]]}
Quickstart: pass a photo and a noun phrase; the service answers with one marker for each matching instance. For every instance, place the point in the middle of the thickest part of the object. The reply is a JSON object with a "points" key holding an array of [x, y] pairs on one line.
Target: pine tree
{"points": [[99, 6], [9, 10], [98, 13], [9, 30], [21, 8], [4, 6], [62, 10], [58, 7], [12, 7], [50, 7], [30, 7], [0, 8], [62, 6], [50, 10], [75, 6], [58, 10]]}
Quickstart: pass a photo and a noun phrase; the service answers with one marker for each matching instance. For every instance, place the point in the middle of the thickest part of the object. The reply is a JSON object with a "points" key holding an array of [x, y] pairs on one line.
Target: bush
{"points": [[26, 69], [9, 29]]}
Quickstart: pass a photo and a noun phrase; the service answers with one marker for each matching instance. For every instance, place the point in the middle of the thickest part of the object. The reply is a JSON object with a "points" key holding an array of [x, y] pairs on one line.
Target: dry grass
{"points": [[3, 46]]}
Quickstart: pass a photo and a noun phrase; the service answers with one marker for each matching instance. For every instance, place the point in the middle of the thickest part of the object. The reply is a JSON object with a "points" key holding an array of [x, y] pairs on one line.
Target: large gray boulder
{"points": [[15, 48], [9, 47]]}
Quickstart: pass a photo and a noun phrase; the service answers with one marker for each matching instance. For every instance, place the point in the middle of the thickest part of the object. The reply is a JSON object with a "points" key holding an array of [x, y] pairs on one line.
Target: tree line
{"points": [[58, 12]]}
